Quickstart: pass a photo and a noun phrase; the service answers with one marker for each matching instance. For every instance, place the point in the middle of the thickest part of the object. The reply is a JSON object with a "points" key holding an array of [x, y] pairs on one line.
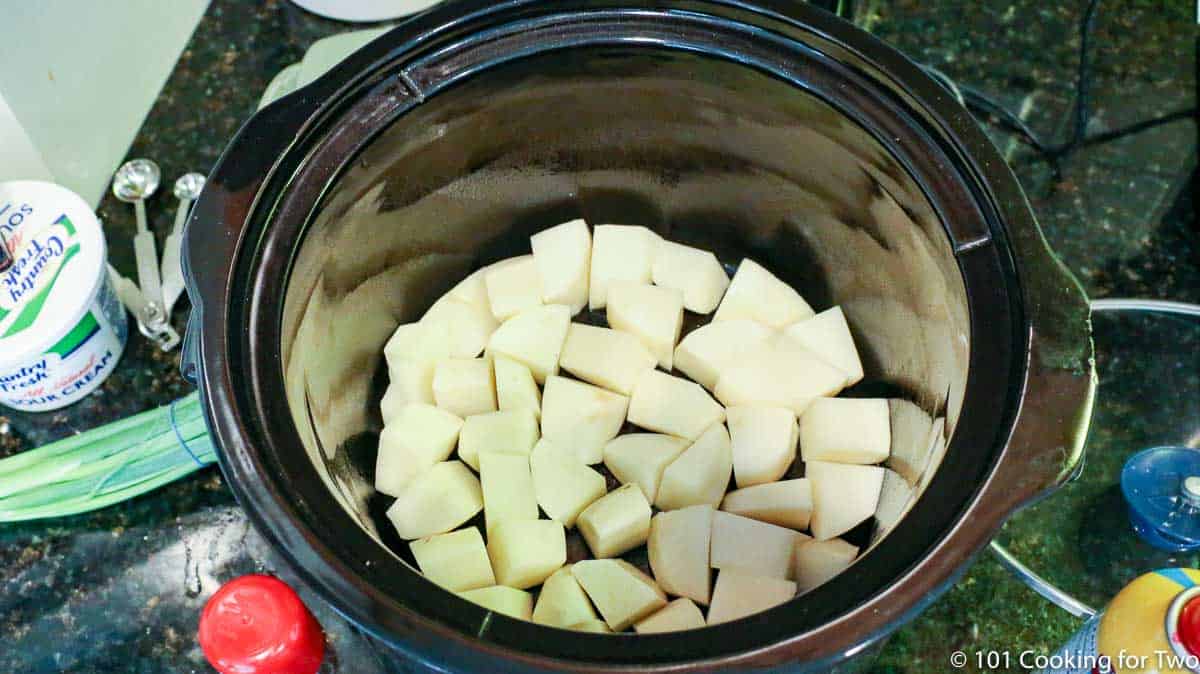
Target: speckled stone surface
{"points": [[120, 590]]}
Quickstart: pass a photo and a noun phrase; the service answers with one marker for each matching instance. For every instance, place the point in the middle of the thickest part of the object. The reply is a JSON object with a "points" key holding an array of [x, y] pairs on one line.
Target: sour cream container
{"points": [[62, 328]]}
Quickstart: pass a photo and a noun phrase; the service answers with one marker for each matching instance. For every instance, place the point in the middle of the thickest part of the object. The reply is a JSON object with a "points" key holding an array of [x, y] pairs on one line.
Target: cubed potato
{"points": [[700, 474], [845, 430], [581, 417], [616, 522], [533, 338], [783, 375], [620, 253], [436, 501], [507, 488], [828, 336], [418, 437], [709, 350], [844, 496], [564, 258], [525, 552], [513, 286], [652, 314], [910, 428], [562, 483], [763, 441], [508, 601], [694, 272], [598, 626], [457, 561], [753, 547], [607, 358], [511, 432], [619, 590], [562, 602], [469, 325], [681, 614], [465, 386], [412, 354], [641, 458], [673, 405], [472, 290], [895, 498], [816, 562], [515, 387], [757, 294], [678, 548], [738, 595], [787, 503]]}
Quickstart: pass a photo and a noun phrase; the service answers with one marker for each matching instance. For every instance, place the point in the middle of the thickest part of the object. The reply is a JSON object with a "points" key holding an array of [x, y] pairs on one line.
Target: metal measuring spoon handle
{"points": [[187, 189], [133, 183]]}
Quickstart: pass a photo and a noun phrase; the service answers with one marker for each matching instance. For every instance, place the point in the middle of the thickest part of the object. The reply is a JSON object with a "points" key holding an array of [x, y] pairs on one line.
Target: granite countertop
{"points": [[120, 590]]}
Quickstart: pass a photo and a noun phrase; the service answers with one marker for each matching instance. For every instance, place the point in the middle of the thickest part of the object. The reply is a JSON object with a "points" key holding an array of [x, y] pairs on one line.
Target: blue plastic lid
{"points": [[1162, 487]]}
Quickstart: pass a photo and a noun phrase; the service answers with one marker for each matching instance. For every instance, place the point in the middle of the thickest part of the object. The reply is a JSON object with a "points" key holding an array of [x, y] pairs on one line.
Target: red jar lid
{"points": [[1188, 627], [258, 625]]}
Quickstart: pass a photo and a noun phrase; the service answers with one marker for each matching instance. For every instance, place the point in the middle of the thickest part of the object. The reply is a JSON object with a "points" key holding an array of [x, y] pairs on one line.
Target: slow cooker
{"points": [[771, 130]]}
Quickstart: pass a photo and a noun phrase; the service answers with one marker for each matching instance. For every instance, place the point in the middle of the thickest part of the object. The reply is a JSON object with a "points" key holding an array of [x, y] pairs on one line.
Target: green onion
{"points": [[106, 465]]}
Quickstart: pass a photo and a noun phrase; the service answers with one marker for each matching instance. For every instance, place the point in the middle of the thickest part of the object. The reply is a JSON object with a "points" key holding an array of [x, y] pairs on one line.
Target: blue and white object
{"points": [[1162, 488]]}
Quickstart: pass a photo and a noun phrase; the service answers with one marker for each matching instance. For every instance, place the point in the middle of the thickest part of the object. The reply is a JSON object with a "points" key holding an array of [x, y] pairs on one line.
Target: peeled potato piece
{"points": [[509, 601], [763, 442], [616, 523], [607, 358], [562, 483], [472, 290], [513, 286], [844, 495], [581, 417], [620, 253], [457, 561], [828, 336], [511, 432], [784, 374], [694, 272], [757, 294], [469, 325], [787, 503], [680, 614], [507, 488], [418, 437], [700, 474], [533, 338], [525, 552], [641, 458], [515, 387], [412, 354], [710, 349], [738, 595], [621, 592], [562, 602], [672, 405], [846, 430], [465, 386], [436, 501], [678, 548], [752, 547], [598, 626], [815, 562], [563, 256], [652, 314]]}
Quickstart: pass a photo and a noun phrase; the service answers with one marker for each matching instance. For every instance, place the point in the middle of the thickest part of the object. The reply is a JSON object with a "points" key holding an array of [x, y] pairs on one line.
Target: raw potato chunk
{"points": [[711, 349], [753, 547], [843, 496], [513, 286], [694, 272], [469, 325], [680, 614], [598, 626], [763, 441], [607, 358], [515, 387], [457, 561], [673, 405], [533, 338], [620, 253], [678, 548], [787, 503], [846, 430], [757, 294], [738, 595], [700, 474], [562, 484], [512, 432], [412, 353], [641, 458], [652, 314], [581, 417], [472, 290], [783, 375], [828, 336], [911, 431], [507, 488], [525, 552], [617, 522], [621, 592], [436, 501], [562, 602], [417, 437], [509, 601], [816, 562], [564, 257], [464, 386]]}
